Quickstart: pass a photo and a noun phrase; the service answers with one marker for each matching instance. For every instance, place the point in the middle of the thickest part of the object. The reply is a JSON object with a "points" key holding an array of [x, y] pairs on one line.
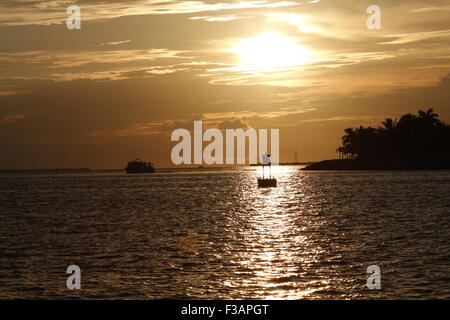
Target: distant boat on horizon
{"points": [[139, 166]]}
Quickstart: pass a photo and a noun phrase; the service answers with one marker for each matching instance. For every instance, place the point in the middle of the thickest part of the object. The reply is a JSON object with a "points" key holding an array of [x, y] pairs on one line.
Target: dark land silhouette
{"points": [[413, 142]]}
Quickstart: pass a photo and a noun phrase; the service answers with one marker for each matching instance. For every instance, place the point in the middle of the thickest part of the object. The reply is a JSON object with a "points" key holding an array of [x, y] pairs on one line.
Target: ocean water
{"points": [[212, 234]]}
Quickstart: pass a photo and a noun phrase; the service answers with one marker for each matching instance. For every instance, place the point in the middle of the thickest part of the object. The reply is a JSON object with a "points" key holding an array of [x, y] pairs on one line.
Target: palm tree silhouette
{"points": [[429, 117], [389, 124], [413, 134]]}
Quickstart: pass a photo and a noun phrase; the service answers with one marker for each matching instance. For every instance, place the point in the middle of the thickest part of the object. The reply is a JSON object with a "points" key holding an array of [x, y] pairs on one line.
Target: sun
{"points": [[270, 52]]}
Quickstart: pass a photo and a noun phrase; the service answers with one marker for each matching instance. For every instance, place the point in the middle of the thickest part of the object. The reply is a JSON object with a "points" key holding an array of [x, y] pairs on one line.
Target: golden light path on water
{"points": [[277, 248], [212, 234]]}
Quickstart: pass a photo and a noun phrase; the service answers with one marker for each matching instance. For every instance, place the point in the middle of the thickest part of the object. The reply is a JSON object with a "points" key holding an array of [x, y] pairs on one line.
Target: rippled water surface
{"points": [[213, 234]]}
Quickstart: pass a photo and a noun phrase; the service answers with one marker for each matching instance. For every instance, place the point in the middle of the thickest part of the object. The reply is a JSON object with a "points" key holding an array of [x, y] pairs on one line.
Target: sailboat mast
{"points": [[270, 170]]}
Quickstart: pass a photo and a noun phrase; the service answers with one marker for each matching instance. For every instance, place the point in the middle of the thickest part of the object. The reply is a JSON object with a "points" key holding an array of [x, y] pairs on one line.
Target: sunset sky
{"points": [[116, 89]]}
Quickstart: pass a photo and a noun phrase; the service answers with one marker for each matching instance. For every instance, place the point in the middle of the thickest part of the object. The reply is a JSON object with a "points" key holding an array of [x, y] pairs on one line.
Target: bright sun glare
{"points": [[270, 52]]}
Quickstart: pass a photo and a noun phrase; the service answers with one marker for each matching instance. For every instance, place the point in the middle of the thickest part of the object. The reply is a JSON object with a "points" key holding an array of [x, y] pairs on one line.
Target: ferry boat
{"points": [[139, 166]]}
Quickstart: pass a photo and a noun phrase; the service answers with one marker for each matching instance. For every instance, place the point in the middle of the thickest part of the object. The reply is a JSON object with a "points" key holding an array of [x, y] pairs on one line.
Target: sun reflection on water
{"points": [[276, 249]]}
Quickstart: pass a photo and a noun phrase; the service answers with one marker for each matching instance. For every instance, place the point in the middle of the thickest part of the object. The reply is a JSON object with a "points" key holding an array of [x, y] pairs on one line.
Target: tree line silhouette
{"points": [[410, 136]]}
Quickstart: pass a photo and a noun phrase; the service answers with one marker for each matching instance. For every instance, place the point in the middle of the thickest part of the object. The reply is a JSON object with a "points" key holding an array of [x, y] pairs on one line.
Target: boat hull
{"points": [[140, 171], [267, 183]]}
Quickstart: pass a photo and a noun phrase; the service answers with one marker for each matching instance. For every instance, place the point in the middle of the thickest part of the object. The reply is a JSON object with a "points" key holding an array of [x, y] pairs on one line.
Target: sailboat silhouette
{"points": [[266, 182]]}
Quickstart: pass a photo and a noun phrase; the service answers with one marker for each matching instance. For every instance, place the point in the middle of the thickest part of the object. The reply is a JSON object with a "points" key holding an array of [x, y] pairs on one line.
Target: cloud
{"points": [[42, 5], [284, 111], [8, 92], [80, 58], [101, 75], [114, 43], [93, 64], [417, 36], [234, 74], [233, 124], [435, 8], [364, 118], [220, 120], [12, 118], [25, 13], [216, 18]]}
